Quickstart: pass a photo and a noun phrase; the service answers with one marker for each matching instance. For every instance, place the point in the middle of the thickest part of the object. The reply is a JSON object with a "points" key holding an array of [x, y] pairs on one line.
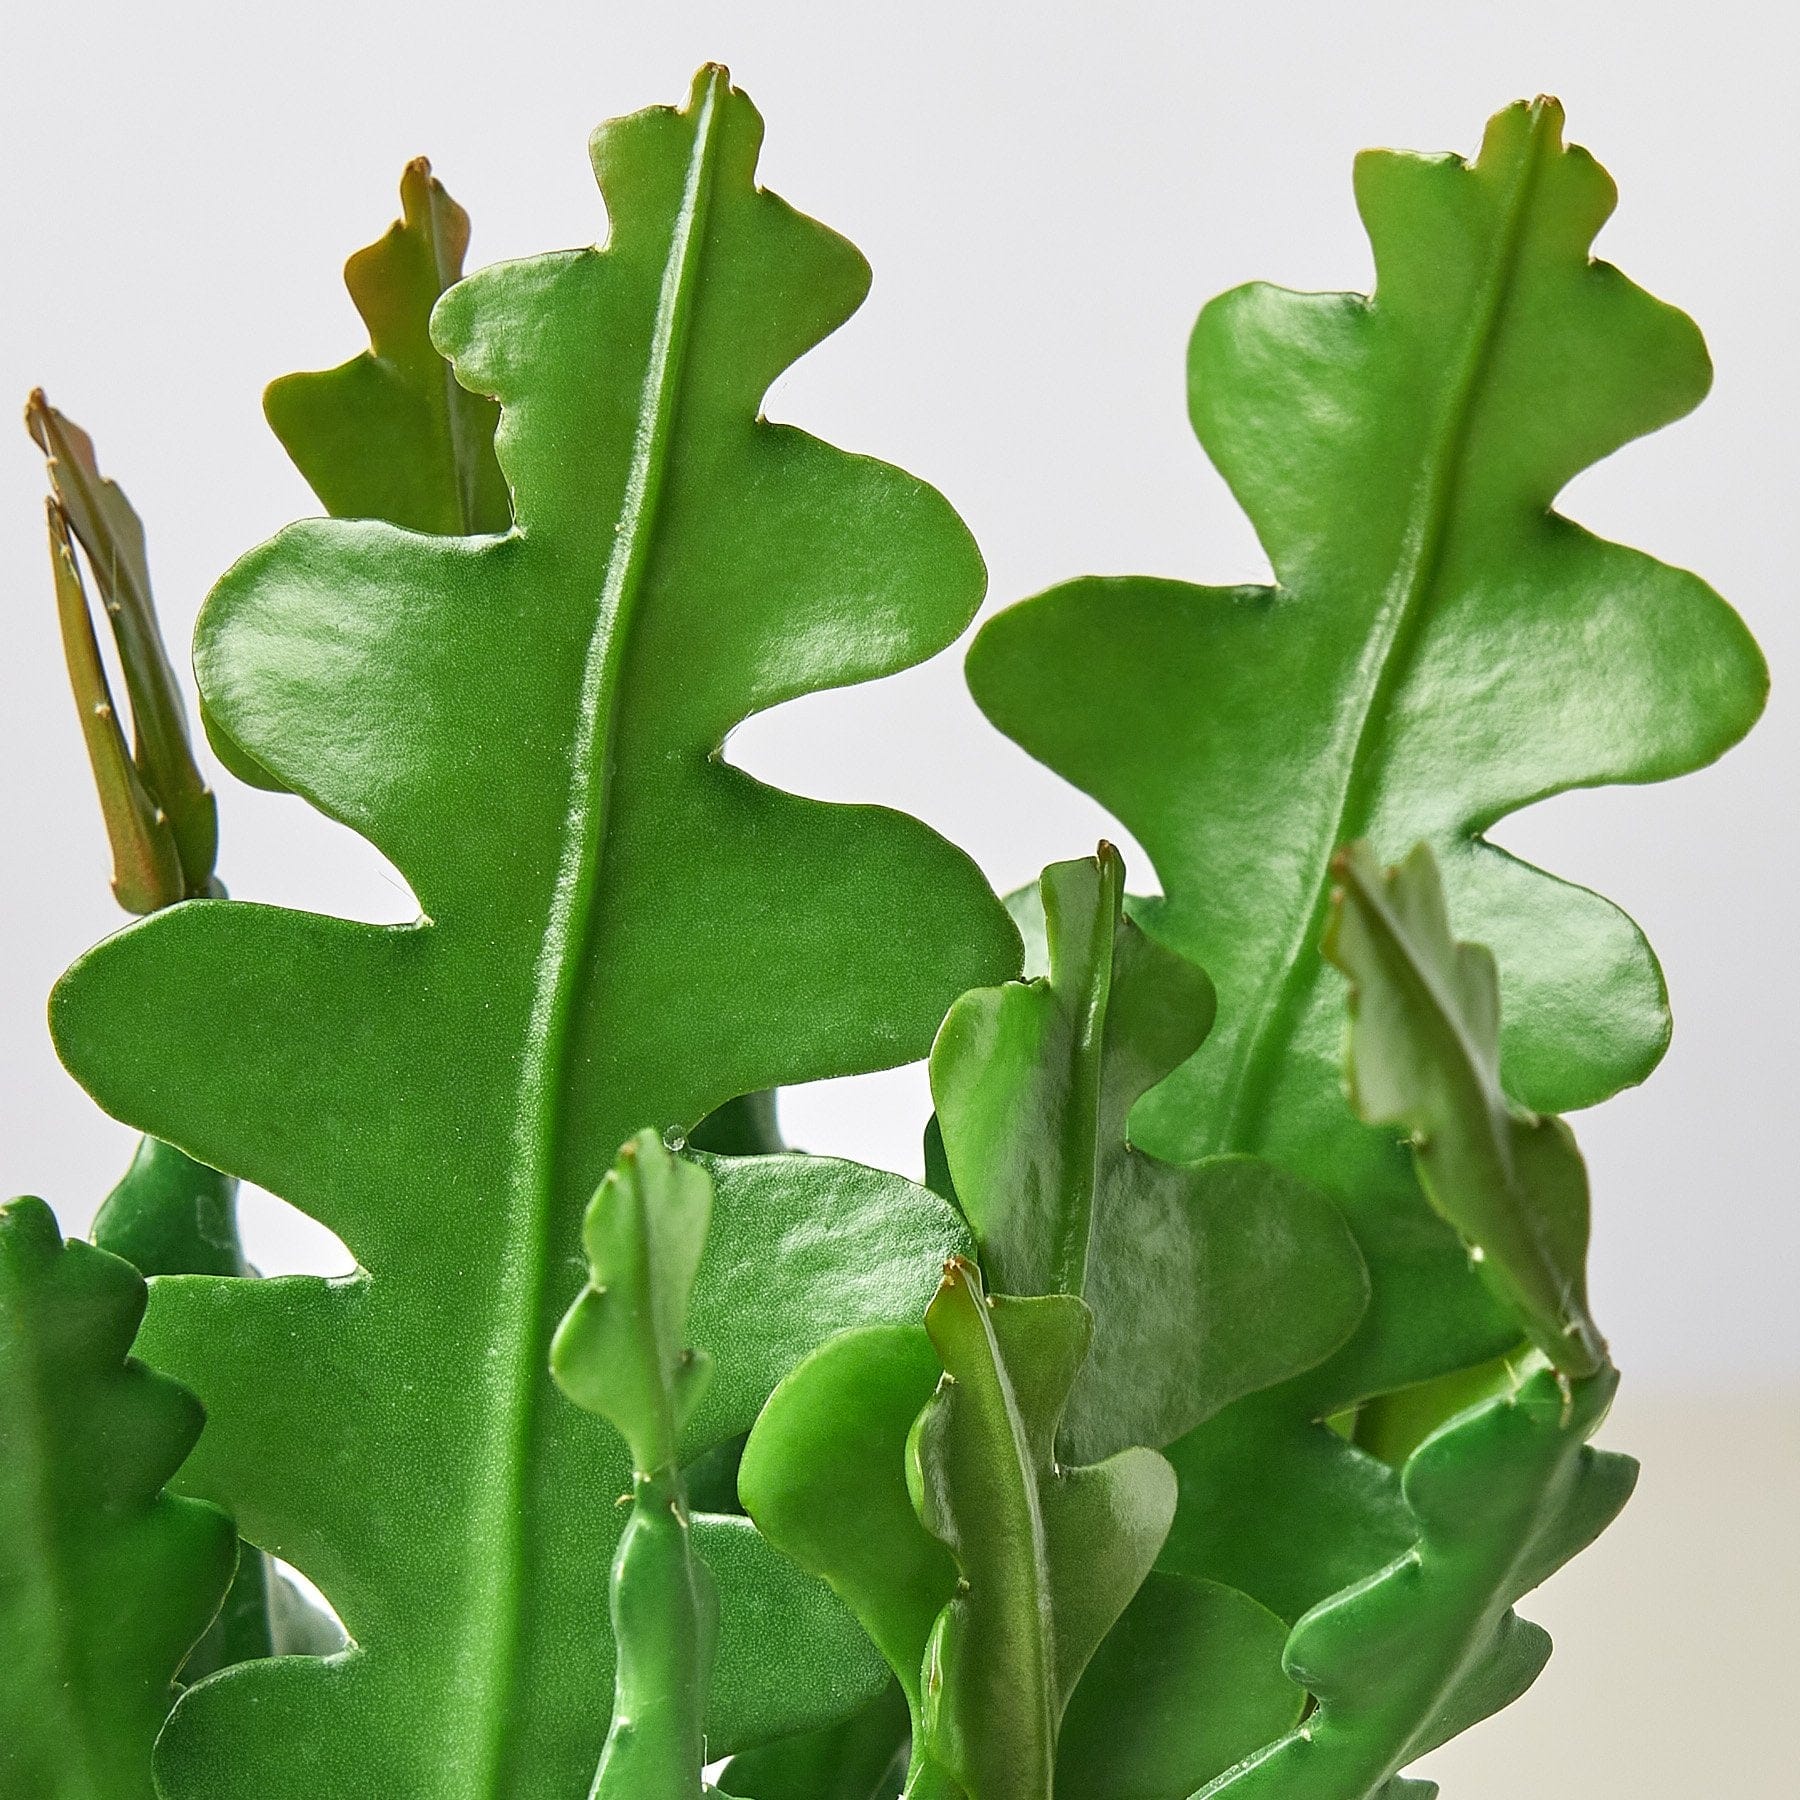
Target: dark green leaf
{"points": [[1187, 1683], [1501, 1497], [1049, 1556], [106, 1581], [864, 1758], [1206, 1281], [1425, 1055]]}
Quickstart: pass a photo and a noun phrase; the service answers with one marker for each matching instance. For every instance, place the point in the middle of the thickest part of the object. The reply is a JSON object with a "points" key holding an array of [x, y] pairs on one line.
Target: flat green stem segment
{"points": [[862, 1759], [619, 931], [1425, 1055], [1049, 1557], [1501, 1497], [392, 434], [1440, 648], [105, 1580], [169, 1215], [1206, 1281], [621, 1352], [160, 815]]}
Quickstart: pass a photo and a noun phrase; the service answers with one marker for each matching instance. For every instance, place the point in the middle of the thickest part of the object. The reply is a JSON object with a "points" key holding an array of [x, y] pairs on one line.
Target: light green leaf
{"points": [[1206, 1281], [392, 434], [620, 930], [1440, 648], [1049, 1556], [1425, 1055], [1501, 1497], [106, 1581], [620, 1352]]}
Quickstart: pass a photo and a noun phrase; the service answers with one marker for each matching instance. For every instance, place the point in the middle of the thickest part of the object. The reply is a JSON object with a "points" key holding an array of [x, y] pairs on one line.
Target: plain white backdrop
{"points": [[1047, 195]]}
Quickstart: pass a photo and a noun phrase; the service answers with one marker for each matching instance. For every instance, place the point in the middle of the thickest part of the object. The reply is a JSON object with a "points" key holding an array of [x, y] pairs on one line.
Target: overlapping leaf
{"points": [[392, 434], [1425, 1056], [1501, 1497], [1440, 649], [620, 1352], [106, 1581], [1205, 1281], [619, 930]]}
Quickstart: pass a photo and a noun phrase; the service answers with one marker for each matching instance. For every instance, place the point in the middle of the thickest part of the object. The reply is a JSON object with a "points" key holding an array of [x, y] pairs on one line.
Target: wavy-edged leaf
{"points": [[392, 434], [620, 930], [1206, 1281], [1049, 1556], [1501, 1497], [1440, 649], [1185, 1685], [621, 1352], [1425, 1056], [106, 1580]]}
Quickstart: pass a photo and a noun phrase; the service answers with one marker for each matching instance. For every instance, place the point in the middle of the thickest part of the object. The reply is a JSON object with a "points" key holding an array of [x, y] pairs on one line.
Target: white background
{"points": [[1047, 195]]}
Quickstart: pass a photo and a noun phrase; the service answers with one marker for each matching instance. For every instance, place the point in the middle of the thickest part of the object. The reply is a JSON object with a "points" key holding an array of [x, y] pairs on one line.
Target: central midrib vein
{"points": [[1383, 665], [499, 1529]]}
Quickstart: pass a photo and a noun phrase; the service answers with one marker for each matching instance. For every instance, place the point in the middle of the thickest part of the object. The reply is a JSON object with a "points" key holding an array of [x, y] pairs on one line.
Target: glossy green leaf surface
{"points": [[1501, 1497], [1205, 1281], [621, 1352], [1049, 1556], [392, 434], [1440, 649], [1425, 1055], [1185, 1685], [620, 930], [169, 1215], [106, 1580]]}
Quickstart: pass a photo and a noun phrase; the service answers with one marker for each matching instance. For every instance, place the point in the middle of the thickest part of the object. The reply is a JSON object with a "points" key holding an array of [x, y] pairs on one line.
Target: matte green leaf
{"points": [[621, 1352], [864, 1758], [392, 434], [1049, 1556], [1501, 1497], [1425, 1055], [106, 1580], [1185, 1685], [620, 930], [169, 1215], [1440, 649], [1206, 1281], [1279, 1505], [160, 814]]}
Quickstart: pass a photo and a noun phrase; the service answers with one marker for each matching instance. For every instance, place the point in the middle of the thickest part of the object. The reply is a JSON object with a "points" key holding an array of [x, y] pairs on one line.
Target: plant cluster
{"points": [[1193, 1429]]}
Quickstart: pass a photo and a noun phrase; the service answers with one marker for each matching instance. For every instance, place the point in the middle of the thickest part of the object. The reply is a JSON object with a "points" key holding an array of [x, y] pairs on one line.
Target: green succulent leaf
{"points": [[1048, 1556], [1206, 1281], [1425, 1055], [1440, 648], [1501, 1497], [619, 930], [863, 1758], [160, 815], [169, 1215], [392, 434], [106, 1580], [824, 1477], [1185, 1685], [620, 1352]]}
